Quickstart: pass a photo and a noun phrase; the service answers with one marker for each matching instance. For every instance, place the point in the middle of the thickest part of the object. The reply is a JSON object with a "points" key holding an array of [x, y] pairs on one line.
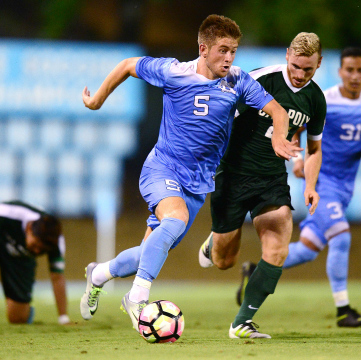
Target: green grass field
{"points": [[300, 317]]}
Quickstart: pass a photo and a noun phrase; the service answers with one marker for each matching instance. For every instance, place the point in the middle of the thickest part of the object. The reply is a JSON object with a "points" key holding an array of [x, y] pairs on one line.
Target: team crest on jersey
{"points": [[226, 87]]}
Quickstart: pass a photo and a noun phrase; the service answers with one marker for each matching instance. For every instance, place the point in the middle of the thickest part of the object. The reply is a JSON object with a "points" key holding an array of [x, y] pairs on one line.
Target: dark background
{"points": [[169, 28]]}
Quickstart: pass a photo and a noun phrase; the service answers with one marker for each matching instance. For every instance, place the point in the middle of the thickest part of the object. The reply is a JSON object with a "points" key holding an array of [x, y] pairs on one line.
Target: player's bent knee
{"points": [[283, 254], [172, 207], [15, 318], [225, 263], [275, 257], [17, 313], [182, 216]]}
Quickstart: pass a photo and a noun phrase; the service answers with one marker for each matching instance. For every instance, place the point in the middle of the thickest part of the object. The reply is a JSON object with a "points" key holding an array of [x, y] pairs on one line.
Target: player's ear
{"points": [[203, 50], [287, 54], [319, 61]]}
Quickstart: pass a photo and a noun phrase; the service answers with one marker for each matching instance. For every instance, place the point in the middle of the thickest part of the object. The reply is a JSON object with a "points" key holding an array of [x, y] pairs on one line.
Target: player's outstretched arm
{"points": [[313, 160], [59, 288], [281, 146], [119, 74]]}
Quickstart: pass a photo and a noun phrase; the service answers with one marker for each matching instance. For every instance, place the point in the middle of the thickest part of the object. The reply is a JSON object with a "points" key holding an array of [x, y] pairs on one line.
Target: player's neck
{"points": [[353, 95], [204, 70]]}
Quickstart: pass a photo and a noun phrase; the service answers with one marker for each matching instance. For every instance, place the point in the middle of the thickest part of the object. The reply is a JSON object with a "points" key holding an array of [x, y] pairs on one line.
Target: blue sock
{"points": [[31, 315], [299, 254], [337, 261], [157, 245], [127, 262]]}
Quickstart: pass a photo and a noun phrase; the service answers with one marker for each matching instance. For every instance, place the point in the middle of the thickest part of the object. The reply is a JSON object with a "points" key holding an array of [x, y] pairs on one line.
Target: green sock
{"points": [[262, 282]]}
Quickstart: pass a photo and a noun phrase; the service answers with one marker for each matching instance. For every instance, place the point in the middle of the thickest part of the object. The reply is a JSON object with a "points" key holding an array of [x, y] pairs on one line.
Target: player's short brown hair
{"points": [[218, 26], [48, 229], [306, 44]]}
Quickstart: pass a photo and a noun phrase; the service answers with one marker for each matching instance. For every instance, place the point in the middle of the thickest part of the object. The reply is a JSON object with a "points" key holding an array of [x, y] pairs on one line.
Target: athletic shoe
{"points": [[247, 270], [246, 331], [133, 309], [204, 254], [350, 319], [90, 299]]}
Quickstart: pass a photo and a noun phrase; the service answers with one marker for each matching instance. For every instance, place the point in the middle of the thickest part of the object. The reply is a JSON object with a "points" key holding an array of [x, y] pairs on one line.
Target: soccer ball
{"points": [[161, 321]]}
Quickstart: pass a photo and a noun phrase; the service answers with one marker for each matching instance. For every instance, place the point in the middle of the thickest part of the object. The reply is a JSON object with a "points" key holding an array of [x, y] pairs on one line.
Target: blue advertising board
{"points": [[54, 152], [42, 77]]}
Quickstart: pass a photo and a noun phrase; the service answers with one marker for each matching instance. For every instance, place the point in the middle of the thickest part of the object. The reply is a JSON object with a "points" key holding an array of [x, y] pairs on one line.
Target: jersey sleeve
{"points": [[57, 257], [253, 93], [155, 71], [316, 124]]}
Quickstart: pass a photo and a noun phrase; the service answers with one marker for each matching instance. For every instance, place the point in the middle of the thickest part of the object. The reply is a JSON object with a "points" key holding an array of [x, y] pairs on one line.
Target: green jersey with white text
{"points": [[250, 150]]}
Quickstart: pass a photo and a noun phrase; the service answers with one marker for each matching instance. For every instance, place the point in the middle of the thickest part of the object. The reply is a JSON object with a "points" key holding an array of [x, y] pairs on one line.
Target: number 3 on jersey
{"points": [[337, 210], [201, 105]]}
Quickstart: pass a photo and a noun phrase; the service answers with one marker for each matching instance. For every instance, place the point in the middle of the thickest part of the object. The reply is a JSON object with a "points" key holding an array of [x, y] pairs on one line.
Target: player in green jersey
{"points": [[25, 233], [252, 178]]}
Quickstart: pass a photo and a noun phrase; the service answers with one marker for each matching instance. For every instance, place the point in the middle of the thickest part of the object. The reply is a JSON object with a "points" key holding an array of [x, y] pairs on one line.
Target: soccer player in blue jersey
{"points": [[199, 102], [341, 148]]}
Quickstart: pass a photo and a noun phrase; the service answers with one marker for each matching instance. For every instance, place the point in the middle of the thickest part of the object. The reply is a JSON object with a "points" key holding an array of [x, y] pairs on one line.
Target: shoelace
{"points": [[141, 307], [94, 294], [252, 325]]}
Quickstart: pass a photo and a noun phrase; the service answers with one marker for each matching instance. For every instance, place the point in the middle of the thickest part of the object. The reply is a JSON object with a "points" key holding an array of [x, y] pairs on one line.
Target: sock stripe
{"points": [[142, 282]]}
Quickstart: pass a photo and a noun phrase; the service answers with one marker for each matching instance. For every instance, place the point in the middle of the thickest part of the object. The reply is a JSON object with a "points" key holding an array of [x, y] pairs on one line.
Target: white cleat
{"points": [[133, 309], [246, 331], [204, 255], [90, 299]]}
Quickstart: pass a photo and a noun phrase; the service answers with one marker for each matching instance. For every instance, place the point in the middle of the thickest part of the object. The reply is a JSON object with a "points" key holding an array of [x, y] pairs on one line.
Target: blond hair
{"points": [[306, 44]]}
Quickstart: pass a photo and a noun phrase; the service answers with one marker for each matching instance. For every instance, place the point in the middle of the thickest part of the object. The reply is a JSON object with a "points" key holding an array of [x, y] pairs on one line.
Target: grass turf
{"points": [[300, 317]]}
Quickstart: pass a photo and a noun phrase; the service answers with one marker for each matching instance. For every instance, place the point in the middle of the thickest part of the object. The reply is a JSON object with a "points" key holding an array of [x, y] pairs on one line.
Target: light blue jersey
{"points": [[197, 117], [341, 145], [341, 153]]}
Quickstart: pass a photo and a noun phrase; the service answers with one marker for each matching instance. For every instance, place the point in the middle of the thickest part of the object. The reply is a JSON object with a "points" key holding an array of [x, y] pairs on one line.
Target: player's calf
{"points": [[247, 270]]}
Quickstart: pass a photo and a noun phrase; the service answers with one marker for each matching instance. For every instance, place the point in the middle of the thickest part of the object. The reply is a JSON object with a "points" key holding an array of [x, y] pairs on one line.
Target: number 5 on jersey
{"points": [[199, 103], [172, 185]]}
